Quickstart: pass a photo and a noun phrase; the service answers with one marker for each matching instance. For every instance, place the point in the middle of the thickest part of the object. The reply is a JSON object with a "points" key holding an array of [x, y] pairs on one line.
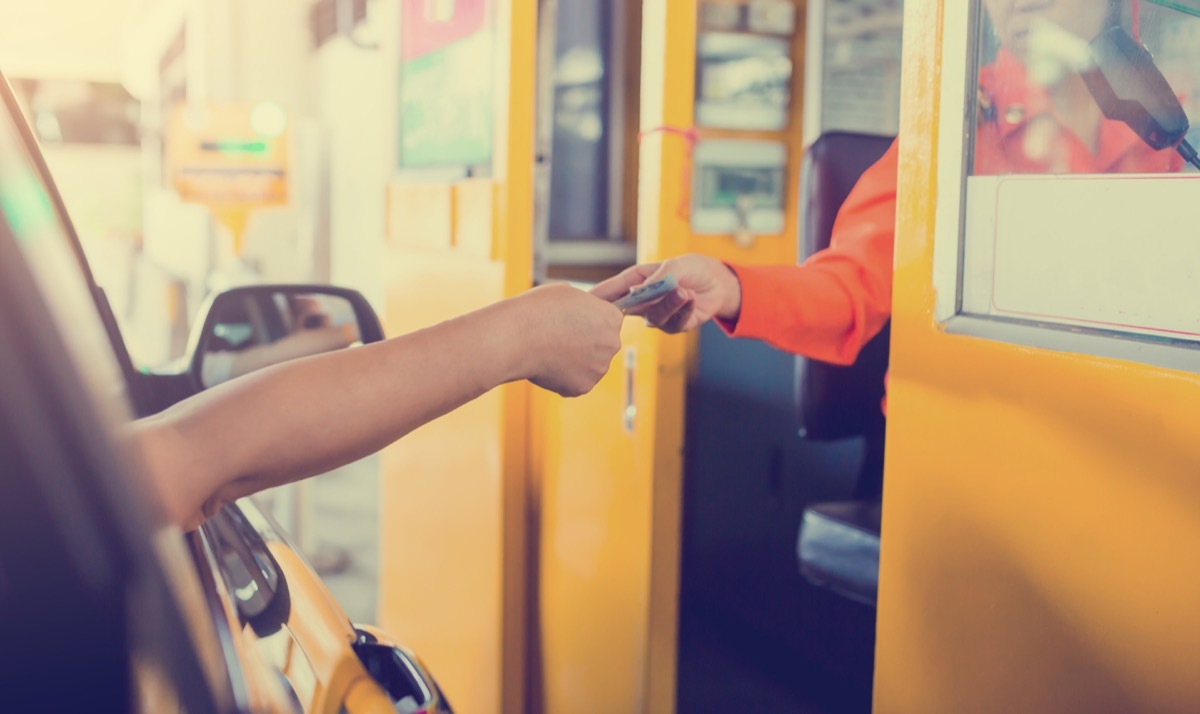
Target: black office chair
{"points": [[838, 543]]}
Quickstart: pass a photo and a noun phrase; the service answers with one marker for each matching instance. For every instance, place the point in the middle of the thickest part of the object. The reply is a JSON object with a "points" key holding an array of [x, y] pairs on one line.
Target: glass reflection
{"points": [[742, 81], [258, 329], [579, 154], [1035, 113]]}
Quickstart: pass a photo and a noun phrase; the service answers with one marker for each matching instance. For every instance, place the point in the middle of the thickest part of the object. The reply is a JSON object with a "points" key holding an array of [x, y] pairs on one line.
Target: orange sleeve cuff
{"points": [[755, 320]]}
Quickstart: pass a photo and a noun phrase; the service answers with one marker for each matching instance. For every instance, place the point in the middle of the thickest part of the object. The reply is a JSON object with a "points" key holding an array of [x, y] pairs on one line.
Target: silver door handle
{"points": [[629, 413]]}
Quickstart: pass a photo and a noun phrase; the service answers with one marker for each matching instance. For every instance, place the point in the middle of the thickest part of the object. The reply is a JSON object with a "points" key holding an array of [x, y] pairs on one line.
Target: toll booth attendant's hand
{"points": [[569, 338], [707, 289]]}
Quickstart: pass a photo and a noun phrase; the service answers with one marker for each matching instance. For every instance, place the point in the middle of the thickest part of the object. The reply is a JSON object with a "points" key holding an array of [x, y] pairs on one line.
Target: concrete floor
{"points": [[717, 675], [724, 666]]}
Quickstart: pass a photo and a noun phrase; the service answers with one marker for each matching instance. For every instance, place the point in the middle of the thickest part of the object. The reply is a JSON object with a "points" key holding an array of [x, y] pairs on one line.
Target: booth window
{"points": [[853, 78], [588, 69], [582, 130], [1071, 219]]}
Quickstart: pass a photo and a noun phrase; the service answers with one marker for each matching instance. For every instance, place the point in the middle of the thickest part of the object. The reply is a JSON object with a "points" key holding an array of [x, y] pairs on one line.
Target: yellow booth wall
{"points": [[1041, 524]]}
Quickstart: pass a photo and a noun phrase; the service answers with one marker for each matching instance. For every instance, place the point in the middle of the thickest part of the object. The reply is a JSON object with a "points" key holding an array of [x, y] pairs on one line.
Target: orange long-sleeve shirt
{"points": [[829, 307]]}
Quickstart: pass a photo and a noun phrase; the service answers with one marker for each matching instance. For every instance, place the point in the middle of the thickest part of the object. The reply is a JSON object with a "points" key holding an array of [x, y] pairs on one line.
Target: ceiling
{"points": [[65, 38]]}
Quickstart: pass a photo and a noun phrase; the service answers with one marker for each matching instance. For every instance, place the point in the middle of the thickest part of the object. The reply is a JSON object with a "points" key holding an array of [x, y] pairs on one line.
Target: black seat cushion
{"points": [[838, 547], [835, 401]]}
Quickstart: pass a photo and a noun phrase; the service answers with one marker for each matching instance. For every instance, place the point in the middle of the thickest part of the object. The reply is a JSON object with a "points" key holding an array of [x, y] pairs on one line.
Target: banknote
{"points": [[646, 293]]}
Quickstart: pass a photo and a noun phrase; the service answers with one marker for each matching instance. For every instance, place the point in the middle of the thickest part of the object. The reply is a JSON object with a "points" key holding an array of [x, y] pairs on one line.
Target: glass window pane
{"points": [[743, 81], [580, 151], [1077, 214], [1042, 77], [860, 66], [27, 206]]}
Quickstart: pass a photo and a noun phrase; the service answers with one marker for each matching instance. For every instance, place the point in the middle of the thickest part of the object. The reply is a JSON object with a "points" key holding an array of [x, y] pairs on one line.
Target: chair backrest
{"points": [[838, 402]]}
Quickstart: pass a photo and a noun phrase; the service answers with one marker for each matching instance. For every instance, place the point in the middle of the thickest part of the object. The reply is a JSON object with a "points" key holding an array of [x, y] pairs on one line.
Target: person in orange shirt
{"points": [[829, 307]]}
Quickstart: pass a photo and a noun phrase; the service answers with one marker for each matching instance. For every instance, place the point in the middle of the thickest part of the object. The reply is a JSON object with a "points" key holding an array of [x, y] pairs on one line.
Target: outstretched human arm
{"points": [[827, 308], [221, 367], [308, 416]]}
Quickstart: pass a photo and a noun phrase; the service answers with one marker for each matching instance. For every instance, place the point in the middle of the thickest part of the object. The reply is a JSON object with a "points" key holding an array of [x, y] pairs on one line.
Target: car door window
{"points": [[28, 206], [172, 623]]}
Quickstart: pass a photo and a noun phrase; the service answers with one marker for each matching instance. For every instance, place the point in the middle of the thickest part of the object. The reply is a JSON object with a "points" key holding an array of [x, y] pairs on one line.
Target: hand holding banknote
{"points": [[683, 293], [568, 337]]}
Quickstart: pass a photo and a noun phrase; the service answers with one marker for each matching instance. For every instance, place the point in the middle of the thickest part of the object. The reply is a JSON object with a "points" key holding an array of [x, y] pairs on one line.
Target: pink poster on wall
{"points": [[429, 25], [446, 73]]}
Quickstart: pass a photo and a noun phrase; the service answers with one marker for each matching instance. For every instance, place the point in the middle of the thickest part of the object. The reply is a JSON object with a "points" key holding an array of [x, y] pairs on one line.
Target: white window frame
{"points": [[958, 69]]}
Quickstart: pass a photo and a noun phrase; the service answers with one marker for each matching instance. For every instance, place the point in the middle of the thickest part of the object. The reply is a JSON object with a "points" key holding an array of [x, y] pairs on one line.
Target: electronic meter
{"points": [[738, 187]]}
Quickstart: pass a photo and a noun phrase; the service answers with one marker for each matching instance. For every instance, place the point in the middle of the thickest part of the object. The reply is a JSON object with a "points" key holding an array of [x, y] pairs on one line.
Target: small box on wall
{"points": [[744, 64], [738, 187]]}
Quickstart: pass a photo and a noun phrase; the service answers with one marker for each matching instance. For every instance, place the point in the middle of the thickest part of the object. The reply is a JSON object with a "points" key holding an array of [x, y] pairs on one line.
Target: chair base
{"points": [[838, 548]]}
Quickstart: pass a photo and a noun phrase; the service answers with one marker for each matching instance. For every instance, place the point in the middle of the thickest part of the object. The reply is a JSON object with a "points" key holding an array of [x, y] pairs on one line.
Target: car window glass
{"points": [[27, 205], [30, 212]]}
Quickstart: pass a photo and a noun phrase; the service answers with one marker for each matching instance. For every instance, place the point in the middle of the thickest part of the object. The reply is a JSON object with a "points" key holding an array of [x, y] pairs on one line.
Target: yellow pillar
{"points": [[454, 493]]}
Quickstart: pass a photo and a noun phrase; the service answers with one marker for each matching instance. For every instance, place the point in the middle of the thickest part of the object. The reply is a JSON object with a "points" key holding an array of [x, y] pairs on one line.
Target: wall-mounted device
{"points": [[738, 187], [744, 64]]}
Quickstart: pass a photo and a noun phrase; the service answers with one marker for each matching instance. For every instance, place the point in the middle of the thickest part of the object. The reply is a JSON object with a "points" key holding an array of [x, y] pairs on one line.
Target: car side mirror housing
{"points": [[245, 329]]}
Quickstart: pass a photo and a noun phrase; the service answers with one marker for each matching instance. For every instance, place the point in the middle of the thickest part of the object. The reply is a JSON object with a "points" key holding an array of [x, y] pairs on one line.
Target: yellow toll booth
{"points": [[545, 533], [1041, 474], [1041, 457]]}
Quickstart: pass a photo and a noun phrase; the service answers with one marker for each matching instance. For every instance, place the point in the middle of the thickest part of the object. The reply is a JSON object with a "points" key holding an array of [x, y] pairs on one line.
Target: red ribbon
{"points": [[691, 136]]}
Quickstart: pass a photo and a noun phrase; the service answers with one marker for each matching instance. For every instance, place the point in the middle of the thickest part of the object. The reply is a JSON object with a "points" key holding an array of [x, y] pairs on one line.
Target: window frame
{"points": [[955, 134]]}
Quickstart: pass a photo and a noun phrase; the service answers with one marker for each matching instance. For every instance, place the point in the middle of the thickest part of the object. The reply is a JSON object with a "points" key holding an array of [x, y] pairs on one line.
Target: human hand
{"points": [[707, 288], [570, 336]]}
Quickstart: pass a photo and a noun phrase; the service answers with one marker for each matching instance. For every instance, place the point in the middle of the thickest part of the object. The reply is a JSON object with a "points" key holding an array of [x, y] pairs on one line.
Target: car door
{"points": [[98, 610], [257, 629]]}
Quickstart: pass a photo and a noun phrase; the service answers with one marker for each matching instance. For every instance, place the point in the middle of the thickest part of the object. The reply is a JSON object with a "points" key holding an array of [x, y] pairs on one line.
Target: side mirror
{"points": [[252, 576], [247, 328], [400, 673]]}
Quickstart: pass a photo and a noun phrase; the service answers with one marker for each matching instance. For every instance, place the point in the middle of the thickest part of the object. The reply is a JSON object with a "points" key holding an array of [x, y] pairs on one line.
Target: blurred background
{"points": [[440, 155], [102, 83]]}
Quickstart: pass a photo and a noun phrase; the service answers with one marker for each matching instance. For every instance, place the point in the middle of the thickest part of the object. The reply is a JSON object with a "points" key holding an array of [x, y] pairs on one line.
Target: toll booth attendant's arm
{"points": [[831, 305], [827, 308], [311, 415]]}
